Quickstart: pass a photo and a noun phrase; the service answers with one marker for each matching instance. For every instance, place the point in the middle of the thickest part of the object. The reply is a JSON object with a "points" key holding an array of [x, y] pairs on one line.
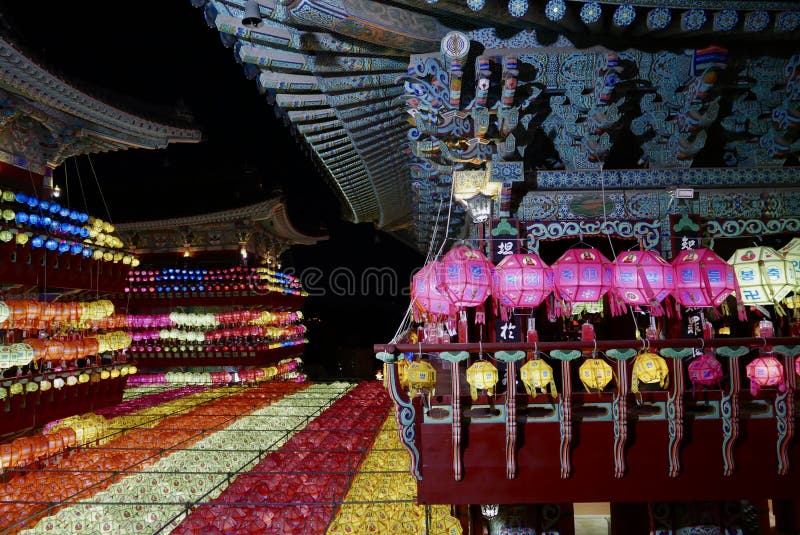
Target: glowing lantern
{"points": [[763, 274], [702, 278], [705, 370], [481, 376], [643, 278], [797, 365], [651, 369], [427, 290], [522, 281], [467, 276], [582, 275], [5, 312], [791, 252], [595, 374], [421, 377], [765, 371], [537, 375]]}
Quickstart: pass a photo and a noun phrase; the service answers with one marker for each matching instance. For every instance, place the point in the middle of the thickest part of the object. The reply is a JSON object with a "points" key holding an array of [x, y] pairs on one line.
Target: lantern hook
{"points": [[420, 350], [645, 344], [594, 349], [702, 344], [535, 349], [480, 349]]}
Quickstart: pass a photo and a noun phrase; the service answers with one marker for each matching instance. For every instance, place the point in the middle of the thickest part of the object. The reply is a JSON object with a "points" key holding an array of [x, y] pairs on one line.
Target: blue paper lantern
{"points": [[76, 248], [64, 212], [37, 242], [63, 247], [51, 244], [83, 218], [21, 198], [55, 226], [34, 219], [33, 202], [55, 208], [21, 218], [87, 252], [44, 205]]}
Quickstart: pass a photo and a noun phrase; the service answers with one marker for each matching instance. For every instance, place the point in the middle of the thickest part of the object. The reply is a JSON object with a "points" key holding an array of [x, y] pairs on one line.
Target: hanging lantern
{"points": [[765, 371], [705, 370], [481, 376], [467, 276], [764, 276], [536, 374], [649, 368], [595, 374], [421, 377], [791, 252], [427, 290], [797, 365], [522, 281], [643, 278], [582, 275], [702, 278]]}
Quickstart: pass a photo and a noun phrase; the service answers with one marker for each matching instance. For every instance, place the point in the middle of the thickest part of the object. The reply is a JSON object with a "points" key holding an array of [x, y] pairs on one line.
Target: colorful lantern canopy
{"points": [[427, 290], [522, 281], [421, 377], [765, 371], [651, 369], [582, 275], [481, 376], [705, 370], [595, 374], [536, 374], [764, 276], [643, 278], [702, 278], [467, 276]]}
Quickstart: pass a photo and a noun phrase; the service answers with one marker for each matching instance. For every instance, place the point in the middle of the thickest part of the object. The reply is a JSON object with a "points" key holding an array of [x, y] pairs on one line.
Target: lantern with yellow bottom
{"points": [[537, 375], [481, 376], [595, 374], [651, 369]]}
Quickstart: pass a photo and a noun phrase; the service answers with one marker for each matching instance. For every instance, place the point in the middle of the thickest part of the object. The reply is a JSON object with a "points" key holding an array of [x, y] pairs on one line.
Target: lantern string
{"points": [[99, 189]]}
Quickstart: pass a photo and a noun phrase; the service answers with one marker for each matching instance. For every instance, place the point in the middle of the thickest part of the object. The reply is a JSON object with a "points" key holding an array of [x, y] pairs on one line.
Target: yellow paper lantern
{"points": [[83, 378], [537, 375], [22, 238], [651, 369], [6, 236], [16, 388], [595, 374], [763, 274], [791, 252], [114, 373], [421, 376], [481, 376], [402, 373], [31, 386], [45, 385]]}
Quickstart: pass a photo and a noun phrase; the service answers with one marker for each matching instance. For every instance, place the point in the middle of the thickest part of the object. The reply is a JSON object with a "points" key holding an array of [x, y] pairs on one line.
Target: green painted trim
{"points": [[621, 354], [454, 356], [789, 351], [733, 351], [509, 356], [676, 353], [565, 355], [386, 357]]}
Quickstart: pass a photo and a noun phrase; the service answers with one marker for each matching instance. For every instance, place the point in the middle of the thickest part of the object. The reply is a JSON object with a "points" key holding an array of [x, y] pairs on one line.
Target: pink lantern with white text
{"points": [[522, 281], [702, 278], [427, 291], [643, 278], [766, 370], [582, 275], [467, 277]]}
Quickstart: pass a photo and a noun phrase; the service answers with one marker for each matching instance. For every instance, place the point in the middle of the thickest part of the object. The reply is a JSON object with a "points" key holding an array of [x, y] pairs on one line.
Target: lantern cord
{"points": [[66, 184], [80, 183], [99, 189]]}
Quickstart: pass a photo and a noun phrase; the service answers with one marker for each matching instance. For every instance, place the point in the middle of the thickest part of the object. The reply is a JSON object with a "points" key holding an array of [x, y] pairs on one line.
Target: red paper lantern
{"points": [[702, 278], [427, 290], [467, 277], [582, 275], [643, 278], [705, 370], [522, 281], [765, 371]]}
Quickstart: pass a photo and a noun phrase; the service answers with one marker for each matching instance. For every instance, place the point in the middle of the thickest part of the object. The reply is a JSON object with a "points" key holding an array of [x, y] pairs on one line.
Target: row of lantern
{"points": [[167, 346], [77, 378], [697, 278], [216, 319], [596, 374], [67, 350], [31, 314], [57, 219], [260, 331], [63, 246], [174, 280], [249, 375]]}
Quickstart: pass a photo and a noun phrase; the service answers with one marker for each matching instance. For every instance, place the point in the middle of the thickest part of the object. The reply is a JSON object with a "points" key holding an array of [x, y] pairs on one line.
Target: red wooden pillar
{"points": [[629, 518]]}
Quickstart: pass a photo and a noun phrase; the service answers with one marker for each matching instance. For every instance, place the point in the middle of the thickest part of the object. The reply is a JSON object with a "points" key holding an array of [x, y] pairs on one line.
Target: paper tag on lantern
{"points": [[595, 374], [482, 376], [649, 368], [537, 375]]}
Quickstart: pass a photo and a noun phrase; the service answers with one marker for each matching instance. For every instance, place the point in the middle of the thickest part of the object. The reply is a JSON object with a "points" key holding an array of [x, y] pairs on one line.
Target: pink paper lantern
{"points": [[797, 365], [702, 278], [427, 290], [705, 370], [467, 277], [643, 278], [765, 371], [582, 275], [522, 281]]}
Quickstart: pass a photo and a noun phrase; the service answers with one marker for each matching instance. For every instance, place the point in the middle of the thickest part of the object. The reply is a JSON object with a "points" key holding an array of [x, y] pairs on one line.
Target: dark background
{"points": [[166, 65]]}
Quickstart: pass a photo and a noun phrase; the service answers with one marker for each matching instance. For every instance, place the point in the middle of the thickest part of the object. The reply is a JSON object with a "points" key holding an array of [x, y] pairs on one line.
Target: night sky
{"points": [[156, 62]]}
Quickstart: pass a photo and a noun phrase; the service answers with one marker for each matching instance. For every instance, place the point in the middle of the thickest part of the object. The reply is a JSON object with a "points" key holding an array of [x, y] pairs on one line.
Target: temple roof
{"points": [[36, 105], [397, 100], [260, 227]]}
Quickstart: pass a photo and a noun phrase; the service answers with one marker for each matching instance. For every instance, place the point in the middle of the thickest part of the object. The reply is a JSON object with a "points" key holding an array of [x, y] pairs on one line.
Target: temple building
{"points": [[603, 336]]}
